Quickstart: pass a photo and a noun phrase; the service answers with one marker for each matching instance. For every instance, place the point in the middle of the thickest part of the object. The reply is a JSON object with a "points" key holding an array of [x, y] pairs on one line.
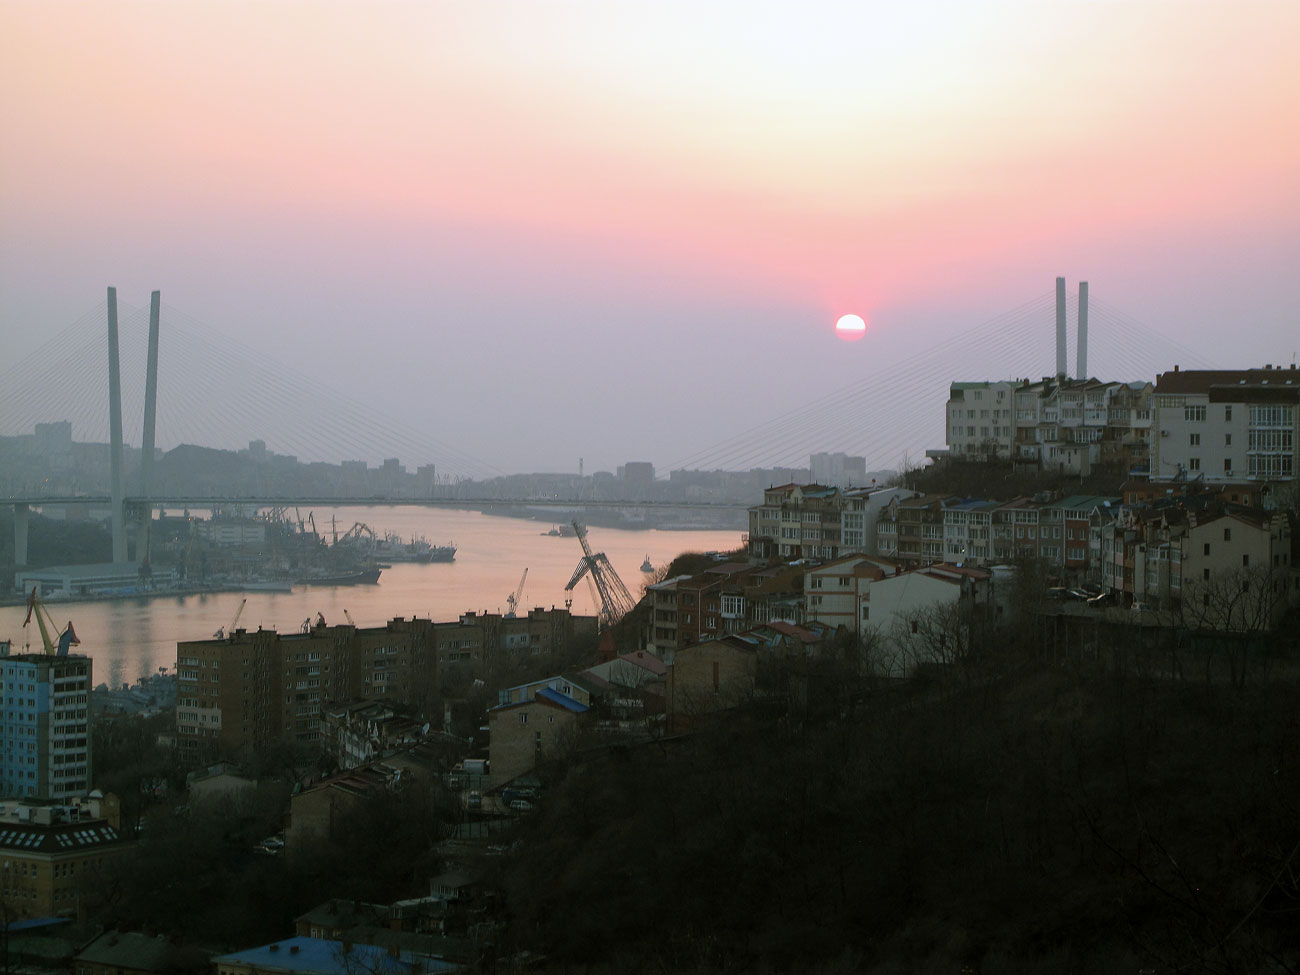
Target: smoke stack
{"points": [[1081, 355], [1060, 328]]}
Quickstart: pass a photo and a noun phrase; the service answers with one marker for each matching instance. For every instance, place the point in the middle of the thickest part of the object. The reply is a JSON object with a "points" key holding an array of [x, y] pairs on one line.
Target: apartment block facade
{"points": [[45, 745], [1226, 425], [249, 689]]}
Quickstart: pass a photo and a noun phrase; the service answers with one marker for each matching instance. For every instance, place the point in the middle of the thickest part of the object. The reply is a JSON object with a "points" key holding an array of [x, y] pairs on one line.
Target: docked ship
{"points": [[442, 553], [359, 577]]}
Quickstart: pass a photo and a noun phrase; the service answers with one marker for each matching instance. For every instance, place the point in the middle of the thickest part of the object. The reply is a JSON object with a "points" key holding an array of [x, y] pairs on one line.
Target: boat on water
{"points": [[646, 566], [443, 553], [560, 531], [267, 585], [393, 548], [361, 577]]}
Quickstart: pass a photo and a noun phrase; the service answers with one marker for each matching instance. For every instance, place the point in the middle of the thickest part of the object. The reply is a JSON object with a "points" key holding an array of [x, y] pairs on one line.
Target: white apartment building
{"points": [[1226, 425], [981, 420], [835, 593], [861, 515]]}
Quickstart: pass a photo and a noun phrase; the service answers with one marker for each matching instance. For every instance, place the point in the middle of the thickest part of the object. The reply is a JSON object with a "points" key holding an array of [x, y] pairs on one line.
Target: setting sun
{"points": [[850, 327]]}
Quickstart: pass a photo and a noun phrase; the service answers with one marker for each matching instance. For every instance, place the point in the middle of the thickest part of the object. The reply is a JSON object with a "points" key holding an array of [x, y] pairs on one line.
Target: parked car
{"points": [[521, 805], [1080, 594], [474, 801], [1101, 599]]}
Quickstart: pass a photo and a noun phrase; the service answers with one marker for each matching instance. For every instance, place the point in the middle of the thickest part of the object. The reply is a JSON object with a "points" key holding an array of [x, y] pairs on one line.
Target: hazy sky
{"points": [[619, 231]]}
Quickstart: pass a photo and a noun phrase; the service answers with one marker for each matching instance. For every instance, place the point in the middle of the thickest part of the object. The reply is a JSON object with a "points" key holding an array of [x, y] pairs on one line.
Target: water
{"points": [[130, 638]]}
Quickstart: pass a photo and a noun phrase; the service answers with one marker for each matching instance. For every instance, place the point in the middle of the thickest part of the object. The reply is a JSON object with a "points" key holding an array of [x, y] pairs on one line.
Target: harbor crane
{"points": [[513, 599], [615, 601], [45, 623], [230, 630]]}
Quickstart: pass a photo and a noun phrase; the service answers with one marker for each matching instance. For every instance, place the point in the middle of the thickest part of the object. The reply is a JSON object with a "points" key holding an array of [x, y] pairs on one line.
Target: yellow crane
{"points": [[45, 623]]}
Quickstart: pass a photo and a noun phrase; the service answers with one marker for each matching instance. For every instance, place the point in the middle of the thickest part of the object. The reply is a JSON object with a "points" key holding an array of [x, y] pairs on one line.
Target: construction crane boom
{"points": [[513, 599], [45, 623], [615, 601]]}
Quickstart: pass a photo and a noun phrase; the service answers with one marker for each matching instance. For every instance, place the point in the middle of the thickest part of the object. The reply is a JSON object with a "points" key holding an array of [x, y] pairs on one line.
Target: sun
{"points": [[850, 328]]}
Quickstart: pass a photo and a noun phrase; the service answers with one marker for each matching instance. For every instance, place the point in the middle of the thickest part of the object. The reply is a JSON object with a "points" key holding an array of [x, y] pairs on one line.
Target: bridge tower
{"points": [[146, 458], [115, 433]]}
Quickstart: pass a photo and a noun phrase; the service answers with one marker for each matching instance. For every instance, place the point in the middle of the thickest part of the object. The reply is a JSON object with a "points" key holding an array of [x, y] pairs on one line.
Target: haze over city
{"points": [[625, 231]]}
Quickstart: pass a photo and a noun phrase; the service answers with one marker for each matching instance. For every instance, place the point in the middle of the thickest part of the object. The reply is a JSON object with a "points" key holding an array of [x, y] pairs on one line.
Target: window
{"points": [[913, 626], [1195, 440], [1227, 465], [1227, 534], [1194, 414], [1245, 561], [523, 717], [1227, 440], [1227, 416], [1194, 463], [1205, 575], [1207, 549], [866, 612]]}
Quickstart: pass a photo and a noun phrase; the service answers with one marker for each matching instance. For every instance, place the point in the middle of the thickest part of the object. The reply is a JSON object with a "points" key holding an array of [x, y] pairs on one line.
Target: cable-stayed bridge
{"points": [[220, 393]]}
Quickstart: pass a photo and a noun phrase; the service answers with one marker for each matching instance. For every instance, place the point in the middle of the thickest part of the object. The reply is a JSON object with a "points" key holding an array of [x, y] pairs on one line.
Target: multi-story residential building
{"points": [[1226, 425], [529, 731], [1015, 529], [49, 850], [1127, 441], [981, 420], [911, 529], [1219, 567], [662, 636], [245, 690], [45, 746], [861, 515], [734, 596], [968, 531], [797, 521], [912, 615], [835, 592]]}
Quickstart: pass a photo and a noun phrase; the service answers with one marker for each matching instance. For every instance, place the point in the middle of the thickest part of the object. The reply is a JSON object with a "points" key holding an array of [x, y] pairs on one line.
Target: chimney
{"points": [[1081, 355], [1060, 328], [1175, 367]]}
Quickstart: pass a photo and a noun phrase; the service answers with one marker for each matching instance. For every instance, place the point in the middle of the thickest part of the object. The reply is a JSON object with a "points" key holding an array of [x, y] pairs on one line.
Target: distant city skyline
{"points": [[546, 232]]}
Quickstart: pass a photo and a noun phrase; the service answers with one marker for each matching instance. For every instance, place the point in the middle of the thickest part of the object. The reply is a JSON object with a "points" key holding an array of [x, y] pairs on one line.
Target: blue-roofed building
{"points": [[318, 956], [526, 732]]}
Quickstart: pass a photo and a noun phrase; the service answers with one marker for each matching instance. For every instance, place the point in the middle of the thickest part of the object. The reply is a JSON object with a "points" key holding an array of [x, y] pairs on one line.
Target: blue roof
{"points": [[555, 697], [318, 956]]}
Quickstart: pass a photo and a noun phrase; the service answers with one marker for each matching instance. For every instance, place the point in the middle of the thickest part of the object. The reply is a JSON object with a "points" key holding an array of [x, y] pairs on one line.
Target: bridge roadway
{"points": [[200, 501]]}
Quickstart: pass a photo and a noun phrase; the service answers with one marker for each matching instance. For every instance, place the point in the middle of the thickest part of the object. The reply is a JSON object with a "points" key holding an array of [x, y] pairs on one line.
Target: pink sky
{"points": [[555, 200]]}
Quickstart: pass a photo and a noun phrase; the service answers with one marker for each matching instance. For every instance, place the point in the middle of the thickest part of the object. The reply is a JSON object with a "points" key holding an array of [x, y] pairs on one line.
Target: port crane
{"points": [[230, 630], [513, 599], [615, 601], [45, 623]]}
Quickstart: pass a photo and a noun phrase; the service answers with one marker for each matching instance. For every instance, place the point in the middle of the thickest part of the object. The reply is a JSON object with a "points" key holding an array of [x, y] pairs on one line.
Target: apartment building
{"points": [[1217, 566], [797, 521], [1226, 425], [836, 592], [968, 531], [981, 420], [910, 530], [248, 689], [48, 850], [45, 744], [732, 597]]}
